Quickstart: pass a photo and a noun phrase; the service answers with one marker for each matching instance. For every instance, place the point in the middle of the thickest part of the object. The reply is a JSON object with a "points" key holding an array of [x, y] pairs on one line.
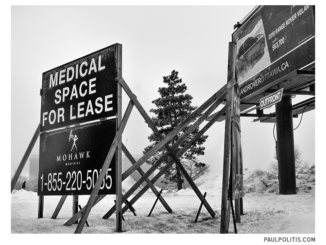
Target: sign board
{"points": [[71, 159], [273, 42], [81, 90], [271, 99]]}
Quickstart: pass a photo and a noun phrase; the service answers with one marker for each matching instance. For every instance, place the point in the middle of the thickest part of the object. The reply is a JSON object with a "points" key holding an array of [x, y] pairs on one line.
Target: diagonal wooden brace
{"points": [[77, 216], [149, 183], [105, 166], [59, 206]]}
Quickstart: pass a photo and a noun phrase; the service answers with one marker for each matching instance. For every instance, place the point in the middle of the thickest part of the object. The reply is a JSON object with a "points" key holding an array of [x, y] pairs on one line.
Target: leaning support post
{"points": [[105, 166], [77, 216], [131, 208], [233, 216], [80, 208], [201, 205], [25, 157], [155, 202], [59, 206], [225, 210], [118, 154]]}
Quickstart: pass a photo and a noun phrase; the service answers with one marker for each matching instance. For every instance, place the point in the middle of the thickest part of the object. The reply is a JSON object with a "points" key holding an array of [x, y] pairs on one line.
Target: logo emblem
{"points": [[74, 138]]}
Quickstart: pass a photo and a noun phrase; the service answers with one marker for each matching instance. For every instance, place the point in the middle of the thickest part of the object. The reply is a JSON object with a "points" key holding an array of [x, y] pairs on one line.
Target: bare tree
{"points": [[195, 168], [299, 164]]}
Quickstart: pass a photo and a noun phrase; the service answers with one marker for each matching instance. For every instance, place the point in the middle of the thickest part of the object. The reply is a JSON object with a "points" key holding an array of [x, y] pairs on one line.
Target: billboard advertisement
{"points": [[71, 159], [80, 91], [273, 42]]}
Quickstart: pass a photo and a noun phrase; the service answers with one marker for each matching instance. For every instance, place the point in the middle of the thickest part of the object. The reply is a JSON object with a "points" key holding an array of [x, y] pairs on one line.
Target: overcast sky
{"points": [[155, 40]]}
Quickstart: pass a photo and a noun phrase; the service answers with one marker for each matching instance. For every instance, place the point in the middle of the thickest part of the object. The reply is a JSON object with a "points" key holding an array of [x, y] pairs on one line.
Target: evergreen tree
{"points": [[172, 108]]}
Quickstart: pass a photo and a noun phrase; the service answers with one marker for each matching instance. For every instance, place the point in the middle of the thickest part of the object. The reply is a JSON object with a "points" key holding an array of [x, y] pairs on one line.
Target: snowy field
{"points": [[265, 212]]}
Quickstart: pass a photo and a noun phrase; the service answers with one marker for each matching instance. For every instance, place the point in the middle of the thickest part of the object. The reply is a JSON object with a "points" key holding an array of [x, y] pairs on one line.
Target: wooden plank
{"points": [[77, 216], [40, 207], [106, 165], [118, 155], [75, 206], [148, 182], [225, 210], [241, 172], [155, 203], [174, 132], [59, 206], [201, 205], [25, 157]]}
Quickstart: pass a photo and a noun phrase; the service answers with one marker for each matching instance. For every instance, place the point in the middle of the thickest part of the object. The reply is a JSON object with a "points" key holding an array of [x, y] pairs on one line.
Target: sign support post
{"points": [[225, 205], [285, 146], [40, 206], [75, 205], [59, 206], [118, 61]]}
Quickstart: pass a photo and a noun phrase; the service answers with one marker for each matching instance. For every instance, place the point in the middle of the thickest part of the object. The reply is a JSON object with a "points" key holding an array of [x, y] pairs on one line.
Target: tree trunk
{"points": [[179, 178]]}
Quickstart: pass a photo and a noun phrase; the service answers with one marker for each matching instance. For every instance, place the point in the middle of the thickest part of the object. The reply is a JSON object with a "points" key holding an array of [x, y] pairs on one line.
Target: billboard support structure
{"points": [[232, 162], [196, 118], [285, 147]]}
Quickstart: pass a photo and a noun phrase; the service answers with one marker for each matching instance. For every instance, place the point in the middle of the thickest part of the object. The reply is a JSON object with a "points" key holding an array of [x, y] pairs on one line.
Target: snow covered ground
{"points": [[265, 212]]}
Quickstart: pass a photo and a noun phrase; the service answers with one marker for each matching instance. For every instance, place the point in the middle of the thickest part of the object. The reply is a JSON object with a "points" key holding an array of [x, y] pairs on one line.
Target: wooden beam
{"points": [[40, 206], [59, 206], [225, 210], [118, 155], [25, 157], [148, 182], [105, 166], [77, 216]]}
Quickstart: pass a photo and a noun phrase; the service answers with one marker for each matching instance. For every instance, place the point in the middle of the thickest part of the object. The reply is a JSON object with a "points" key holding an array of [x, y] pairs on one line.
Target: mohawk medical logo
{"points": [[74, 138], [73, 158]]}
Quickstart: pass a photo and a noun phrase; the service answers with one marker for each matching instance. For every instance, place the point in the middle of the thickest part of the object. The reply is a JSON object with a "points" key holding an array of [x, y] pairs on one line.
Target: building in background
{"points": [[33, 167]]}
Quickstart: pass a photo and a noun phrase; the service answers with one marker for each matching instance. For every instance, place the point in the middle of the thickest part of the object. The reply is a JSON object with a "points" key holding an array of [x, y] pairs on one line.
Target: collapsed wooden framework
{"points": [[227, 92]]}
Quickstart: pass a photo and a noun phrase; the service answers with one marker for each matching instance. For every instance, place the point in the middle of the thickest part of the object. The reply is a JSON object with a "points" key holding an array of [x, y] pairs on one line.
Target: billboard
{"points": [[275, 41], [80, 91], [71, 159]]}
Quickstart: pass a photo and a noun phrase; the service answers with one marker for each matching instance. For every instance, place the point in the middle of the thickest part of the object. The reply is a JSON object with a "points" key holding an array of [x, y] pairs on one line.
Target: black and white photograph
{"points": [[169, 119]]}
